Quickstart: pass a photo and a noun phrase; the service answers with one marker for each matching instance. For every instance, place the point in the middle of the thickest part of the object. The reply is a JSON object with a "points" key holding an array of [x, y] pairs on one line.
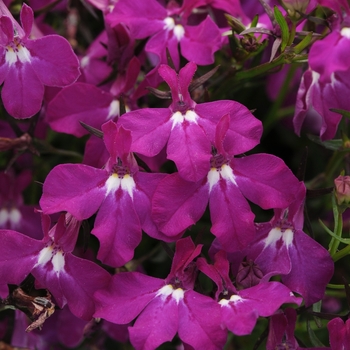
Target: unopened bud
{"points": [[295, 7], [342, 190], [249, 274]]}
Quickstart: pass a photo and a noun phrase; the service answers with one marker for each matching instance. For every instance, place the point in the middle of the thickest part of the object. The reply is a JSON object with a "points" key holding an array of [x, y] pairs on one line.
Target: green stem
{"points": [[344, 252], [292, 34], [338, 229]]}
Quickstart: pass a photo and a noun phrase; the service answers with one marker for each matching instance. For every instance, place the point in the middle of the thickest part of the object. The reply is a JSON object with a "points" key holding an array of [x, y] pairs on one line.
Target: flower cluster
{"points": [[100, 180]]}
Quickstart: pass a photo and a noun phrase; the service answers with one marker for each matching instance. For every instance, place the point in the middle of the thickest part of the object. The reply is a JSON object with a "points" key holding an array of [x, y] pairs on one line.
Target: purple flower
{"points": [[282, 248], [339, 334], [119, 192], [71, 280], [316, 98], [226, 184], [27, 65], [164, 307], [281, 331], [168, 27], [241, 309], [187, 129]]}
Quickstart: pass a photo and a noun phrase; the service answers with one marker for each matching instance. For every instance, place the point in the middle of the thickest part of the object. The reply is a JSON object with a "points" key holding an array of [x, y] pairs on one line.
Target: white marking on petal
{"points": [[4, 216], [169, 23], [345, 32], [128, 184], [224, 302], [191, 116], [287, 237], [274, 235], [23, 54], [45, 255], [165, 291], [213, 178], [10, 56], [177, 118], [15, 216], [236, 298], [227, 173], [84, 61], [179, 32], [113, 183], [178, 294], [114, 109], [58, 261]]}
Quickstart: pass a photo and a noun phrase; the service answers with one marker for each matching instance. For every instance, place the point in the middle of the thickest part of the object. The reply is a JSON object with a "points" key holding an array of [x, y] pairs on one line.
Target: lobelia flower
{"points": [[90, 104], [187, 129], [339, 334], [316, 98], [119, 192], [240, 309], [281, 331], [71, 280], [167, 28], [226, 183], [27, 65], [163, 308], [282, 248], [325, 84]]}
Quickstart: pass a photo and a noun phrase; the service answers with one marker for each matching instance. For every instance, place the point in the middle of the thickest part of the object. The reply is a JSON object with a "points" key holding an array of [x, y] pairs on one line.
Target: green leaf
{"points": [[304, 43], [314, 340], [343, 112], [284, 27], [333, 145], [317, 308]]}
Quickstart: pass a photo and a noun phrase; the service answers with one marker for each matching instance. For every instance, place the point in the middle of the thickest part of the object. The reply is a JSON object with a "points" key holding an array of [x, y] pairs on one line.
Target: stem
{"points": [[338, 229], [344, 252], [292, 34]]}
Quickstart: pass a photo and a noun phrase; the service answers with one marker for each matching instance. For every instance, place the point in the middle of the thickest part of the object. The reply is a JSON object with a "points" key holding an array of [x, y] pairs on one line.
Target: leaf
{"points": [[284, 27], [304, 43], [343, 112], [333, 145], [314, 340]]}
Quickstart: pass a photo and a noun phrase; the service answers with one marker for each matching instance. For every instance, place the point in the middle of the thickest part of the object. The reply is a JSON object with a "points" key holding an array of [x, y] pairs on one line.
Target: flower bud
{"points": [[293, 7], [249, 274], [342, 190]]}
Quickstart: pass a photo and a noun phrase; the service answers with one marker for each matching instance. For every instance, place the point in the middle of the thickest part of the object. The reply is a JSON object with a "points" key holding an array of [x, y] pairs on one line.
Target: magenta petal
{"points": [[78, 189], [244, 131], [339, 334], [22, 93], [265, 180], [126, 296], [27, 19], [325, 61], [74, 285], [187, 205], [163, 327], [200, 42], [312, 268], [53, 60], [200, 323], [190, 149], [79, 102], [15, 263], [118, 229], [150, 129], [231, 216]]}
